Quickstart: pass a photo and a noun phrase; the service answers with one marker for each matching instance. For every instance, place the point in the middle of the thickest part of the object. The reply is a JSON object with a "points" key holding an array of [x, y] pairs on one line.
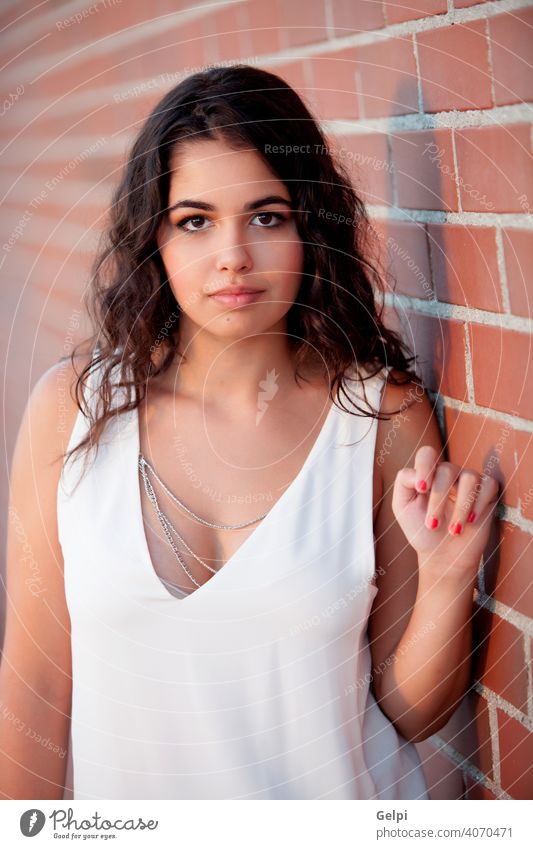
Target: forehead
{"points": [[209, 168]]}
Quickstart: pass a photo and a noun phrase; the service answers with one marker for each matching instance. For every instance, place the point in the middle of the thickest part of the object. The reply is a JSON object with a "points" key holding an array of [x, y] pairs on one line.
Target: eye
{"points": [[274, 219], [193, 220]]}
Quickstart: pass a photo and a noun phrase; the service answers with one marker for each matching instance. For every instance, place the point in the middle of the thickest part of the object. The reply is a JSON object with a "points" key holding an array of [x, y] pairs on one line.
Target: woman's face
{"points": [[229, 225]]}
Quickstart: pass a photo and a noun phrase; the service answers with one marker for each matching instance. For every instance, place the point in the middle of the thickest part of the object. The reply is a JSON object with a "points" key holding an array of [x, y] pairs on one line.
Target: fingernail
{"points": [[432, 522], [455, 528], [422, 485], [471, 516]]}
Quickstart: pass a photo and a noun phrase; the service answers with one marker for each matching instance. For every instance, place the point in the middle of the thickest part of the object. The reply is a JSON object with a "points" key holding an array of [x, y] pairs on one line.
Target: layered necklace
{"points": [[168, 527]]}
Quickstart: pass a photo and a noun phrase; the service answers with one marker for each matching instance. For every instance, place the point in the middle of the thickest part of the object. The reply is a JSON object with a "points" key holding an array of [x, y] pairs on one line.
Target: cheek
{"points": [[182, 262], [286, 257]]}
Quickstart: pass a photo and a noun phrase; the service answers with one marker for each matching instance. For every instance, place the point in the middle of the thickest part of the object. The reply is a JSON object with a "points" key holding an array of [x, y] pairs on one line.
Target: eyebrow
{"points": [[249, 207]]}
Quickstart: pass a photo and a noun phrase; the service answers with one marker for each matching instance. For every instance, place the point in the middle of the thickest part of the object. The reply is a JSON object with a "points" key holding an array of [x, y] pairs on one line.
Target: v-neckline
{"points": [[139, 516]]}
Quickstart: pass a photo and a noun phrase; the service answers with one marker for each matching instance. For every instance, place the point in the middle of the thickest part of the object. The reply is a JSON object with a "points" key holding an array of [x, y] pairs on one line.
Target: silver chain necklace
{"points": [[167, 526], [144, 463]]}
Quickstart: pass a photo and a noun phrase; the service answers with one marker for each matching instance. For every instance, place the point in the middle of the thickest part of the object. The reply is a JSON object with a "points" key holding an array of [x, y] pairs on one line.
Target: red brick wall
{"points": [[425, 101]]}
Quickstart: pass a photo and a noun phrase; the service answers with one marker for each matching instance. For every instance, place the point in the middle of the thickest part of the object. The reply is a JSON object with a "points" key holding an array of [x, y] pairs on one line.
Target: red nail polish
{"points": [[455, 528], [433, 522], [422, 485], [471, 516]]}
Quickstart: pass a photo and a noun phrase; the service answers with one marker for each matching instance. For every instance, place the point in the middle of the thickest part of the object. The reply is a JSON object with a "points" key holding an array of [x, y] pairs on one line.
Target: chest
{"points": [[213, 471]]}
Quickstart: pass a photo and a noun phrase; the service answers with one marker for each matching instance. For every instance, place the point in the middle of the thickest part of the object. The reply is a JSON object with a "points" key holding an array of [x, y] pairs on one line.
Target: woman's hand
{"points": [[445, 511]]}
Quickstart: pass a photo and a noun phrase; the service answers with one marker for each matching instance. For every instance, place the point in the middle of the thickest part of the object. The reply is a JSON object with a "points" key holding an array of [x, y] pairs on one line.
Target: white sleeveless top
{"points": [[254, 686]]}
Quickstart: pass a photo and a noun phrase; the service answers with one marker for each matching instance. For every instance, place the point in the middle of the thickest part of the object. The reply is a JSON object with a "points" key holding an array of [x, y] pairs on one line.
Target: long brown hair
{"points": [[130, 301]]}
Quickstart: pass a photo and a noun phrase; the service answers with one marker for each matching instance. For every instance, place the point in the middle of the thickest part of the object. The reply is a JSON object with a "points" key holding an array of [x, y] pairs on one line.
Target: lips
{"points": [[237, 296], [237, 290]]}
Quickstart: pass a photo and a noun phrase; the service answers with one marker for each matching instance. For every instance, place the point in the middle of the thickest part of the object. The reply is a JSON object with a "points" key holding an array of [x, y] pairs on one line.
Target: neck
{"points": [[230, 373]]}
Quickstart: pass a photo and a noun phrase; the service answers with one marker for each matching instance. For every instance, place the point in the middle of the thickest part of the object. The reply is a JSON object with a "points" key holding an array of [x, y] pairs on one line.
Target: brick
{"points": [[110, 19], [353, 16], [48, 280], [516, 757], [397, 11], [8, 16], [454, 67], [510, 36], [465, 265], [293, 73], [107, 119], [424, 168], [334, 91], [366, 158], [387, 78], [403, 253], [524, 450], [490, 553], [440, 349], [468, 733], [530, 656], [82, 72], [499, 659], [508, 576], [224, 39], [502, 369], [495, 167], [302, 25], [463, 4], [262, 25], [40, 229], [476, 790], [481, 443], [518, 251], [189, 45]]}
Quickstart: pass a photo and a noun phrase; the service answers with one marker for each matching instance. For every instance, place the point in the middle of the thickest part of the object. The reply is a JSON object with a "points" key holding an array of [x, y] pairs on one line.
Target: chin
{"points": [[238, 323]]}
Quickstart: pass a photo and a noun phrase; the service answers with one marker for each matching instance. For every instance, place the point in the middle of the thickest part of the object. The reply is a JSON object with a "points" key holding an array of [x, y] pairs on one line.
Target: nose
{"points": [[233, 255]]}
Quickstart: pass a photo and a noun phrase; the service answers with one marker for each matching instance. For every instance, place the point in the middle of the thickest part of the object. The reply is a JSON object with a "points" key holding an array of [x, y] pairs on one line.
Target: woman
{"points": [[260, 585]]}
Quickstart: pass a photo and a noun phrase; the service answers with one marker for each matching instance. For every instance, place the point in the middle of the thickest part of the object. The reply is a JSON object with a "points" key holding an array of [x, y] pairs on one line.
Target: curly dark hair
{"points": [[337, 311]]}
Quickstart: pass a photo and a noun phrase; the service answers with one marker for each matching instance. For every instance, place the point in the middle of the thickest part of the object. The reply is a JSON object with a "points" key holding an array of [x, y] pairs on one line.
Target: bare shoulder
{"points": [[51, 408], [411, 422], [37, 633]]}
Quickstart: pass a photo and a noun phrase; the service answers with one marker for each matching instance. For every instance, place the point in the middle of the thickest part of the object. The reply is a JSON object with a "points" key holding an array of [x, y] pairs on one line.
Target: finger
{"points": [[443, 482], [487, 496], [426, 459], [404, 489], [468, 487]]}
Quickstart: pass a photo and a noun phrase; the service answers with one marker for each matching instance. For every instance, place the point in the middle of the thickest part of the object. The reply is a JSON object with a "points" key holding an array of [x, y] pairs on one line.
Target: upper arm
{"points": [[36, 653], [397, 442]]}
